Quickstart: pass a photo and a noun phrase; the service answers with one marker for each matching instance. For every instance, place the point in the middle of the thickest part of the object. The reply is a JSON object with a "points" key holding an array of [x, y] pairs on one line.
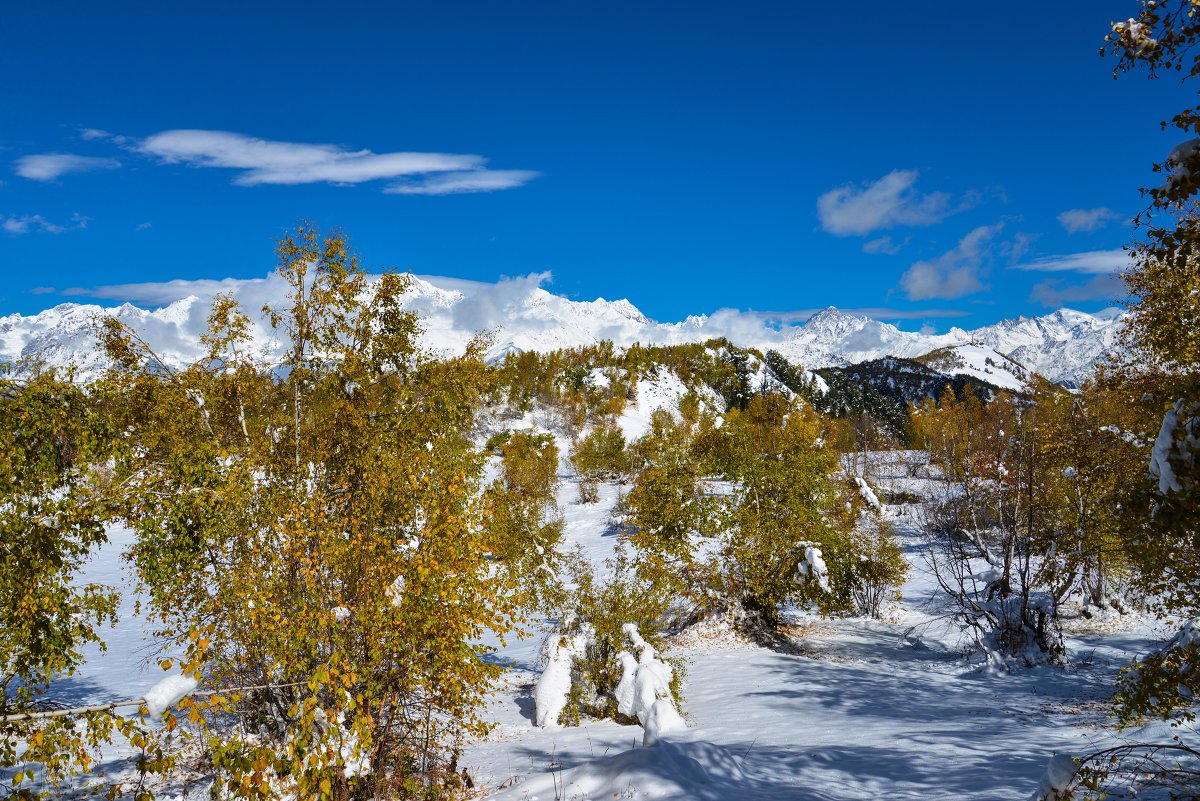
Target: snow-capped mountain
{"points": [[1064, 346], [833, 338], [520, 315]]}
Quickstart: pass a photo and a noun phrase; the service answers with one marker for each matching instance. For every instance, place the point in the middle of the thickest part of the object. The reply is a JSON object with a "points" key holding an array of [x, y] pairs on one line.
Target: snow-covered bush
{"points": [[559, 654], [1059, 780], [594, 633], [645, 690]]}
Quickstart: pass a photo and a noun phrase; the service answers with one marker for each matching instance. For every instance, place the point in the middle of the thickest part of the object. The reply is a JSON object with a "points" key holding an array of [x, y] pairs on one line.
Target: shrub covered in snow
{"points": [[645, 690], [595, 647], [1058, 781], [559, 655]]}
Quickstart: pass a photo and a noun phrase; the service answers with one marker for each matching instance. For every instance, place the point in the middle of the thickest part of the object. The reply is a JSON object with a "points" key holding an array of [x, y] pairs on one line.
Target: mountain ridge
{"points": [[1064, 346]]}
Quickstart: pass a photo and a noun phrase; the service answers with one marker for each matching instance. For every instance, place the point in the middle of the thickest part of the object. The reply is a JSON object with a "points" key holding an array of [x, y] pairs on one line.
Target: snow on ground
{"points": [[660, 391], [127, 669], [853, 709], [984, 363]]}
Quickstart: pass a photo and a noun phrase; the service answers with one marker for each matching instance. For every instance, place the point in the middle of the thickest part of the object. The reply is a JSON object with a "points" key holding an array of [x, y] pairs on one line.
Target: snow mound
{"points": [[554, 685], [670, 771], [645, 689], [1058, 780], [663, 718], [167, 693]]}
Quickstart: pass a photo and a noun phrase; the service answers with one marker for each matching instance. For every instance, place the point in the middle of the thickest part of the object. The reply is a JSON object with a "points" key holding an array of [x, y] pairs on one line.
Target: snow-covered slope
{"points": [[978, 361], [833, 338], [1064, 346], [520, 315]]}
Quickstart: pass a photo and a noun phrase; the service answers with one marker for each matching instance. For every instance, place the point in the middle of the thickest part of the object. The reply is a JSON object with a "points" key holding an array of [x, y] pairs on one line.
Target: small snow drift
{"points": [[672, 770], [663, 718], [1058, 780], [167, 693]]}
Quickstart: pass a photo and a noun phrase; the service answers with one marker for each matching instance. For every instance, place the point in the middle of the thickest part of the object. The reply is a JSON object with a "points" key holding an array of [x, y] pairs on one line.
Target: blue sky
{"points": [[937, 163]]}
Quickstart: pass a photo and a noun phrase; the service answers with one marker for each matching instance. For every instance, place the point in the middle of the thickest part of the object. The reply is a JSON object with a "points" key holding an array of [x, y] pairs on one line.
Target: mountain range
{"points": [[520, 315]]}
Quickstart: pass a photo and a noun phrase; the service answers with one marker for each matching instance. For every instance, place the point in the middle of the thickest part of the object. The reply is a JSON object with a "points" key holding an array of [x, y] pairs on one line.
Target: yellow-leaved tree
{"points": [[311, 529]]}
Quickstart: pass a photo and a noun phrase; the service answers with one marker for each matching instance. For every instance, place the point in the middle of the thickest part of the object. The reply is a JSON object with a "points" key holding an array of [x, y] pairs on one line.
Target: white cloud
{"points": [[162, 293], [953, 274], [884, 245], [1102, 265], [856, 210], [1094, 262], [489, 306], [31, 223], [52, 166], [94, 134], [1100, 287], [453, 183], [1021, 242], [1077, 220], [263, 161]]}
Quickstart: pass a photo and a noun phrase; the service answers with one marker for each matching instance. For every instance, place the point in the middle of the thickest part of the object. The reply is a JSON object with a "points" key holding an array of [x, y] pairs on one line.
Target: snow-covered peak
{"points": [[520, 315], [981, 362], [832, 322]]}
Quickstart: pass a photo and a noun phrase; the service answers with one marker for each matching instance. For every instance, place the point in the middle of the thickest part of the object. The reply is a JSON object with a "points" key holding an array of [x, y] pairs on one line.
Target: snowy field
{"points": [[855, 709], [846, 709]]}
